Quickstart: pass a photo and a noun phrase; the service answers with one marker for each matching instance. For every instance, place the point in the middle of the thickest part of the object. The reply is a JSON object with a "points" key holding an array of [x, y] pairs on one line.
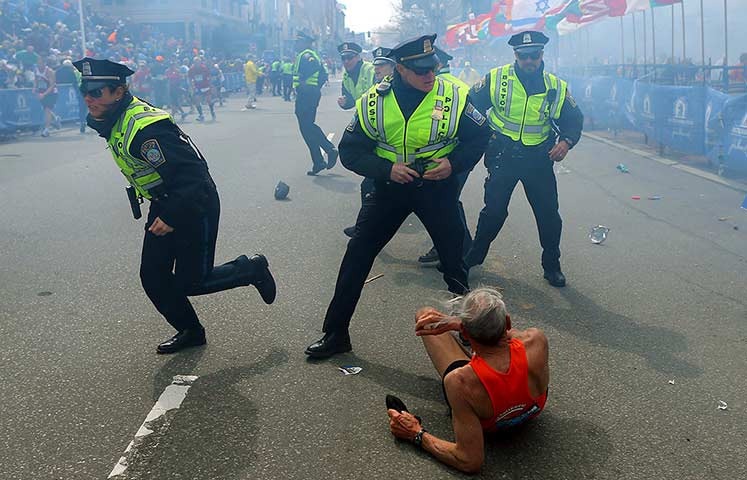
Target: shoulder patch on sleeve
{"points": [[474, 114], [569, 98], [351, 125], [478, 86], [152, 153]]}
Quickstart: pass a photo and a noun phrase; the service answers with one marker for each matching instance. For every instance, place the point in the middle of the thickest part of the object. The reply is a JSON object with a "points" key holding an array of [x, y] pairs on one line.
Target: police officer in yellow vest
{"points": [[358, 76], [286, 70], [163, 166], [412, 135], [309, 75], [383, 67], [536, 122], [444, 71]]}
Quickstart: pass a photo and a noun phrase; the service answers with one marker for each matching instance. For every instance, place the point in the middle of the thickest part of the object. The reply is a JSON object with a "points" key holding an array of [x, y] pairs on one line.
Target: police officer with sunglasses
{"points": [[162, 165], [412, 134], [535, 122]]}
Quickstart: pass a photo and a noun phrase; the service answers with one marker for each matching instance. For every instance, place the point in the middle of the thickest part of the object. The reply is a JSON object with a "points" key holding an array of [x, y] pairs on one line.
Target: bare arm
{"points": [[467, 452]]}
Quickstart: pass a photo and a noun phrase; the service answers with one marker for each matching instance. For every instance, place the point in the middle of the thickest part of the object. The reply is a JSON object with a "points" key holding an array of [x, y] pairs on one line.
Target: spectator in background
{"points": [[45, 88], [738, 75], [175, 79], [68, 75], [250, 77]]}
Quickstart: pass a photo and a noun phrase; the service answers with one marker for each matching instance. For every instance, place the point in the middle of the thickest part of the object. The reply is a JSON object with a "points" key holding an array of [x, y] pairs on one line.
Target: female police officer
{"points": [[163, 165]]}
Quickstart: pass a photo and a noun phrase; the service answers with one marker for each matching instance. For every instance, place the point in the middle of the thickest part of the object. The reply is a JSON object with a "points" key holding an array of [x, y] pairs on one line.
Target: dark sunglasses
{"points": [[95, 93], [533, 55], [421, 72], [345, 58]]}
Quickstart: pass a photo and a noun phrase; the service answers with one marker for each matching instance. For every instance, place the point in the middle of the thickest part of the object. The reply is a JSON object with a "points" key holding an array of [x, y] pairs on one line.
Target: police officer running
{"points": [[412, 136], [358, 76], [536, 122], [163, 165], [308, 77]]}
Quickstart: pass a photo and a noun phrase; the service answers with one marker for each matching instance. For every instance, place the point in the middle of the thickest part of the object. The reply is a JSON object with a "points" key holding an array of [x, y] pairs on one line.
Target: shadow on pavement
{"points": [[214, 433], [590, 321], [336, 183]]}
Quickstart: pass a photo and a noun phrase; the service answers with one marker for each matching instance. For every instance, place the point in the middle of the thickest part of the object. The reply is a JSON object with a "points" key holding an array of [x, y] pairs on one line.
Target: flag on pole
{"points": [[580, 13]]}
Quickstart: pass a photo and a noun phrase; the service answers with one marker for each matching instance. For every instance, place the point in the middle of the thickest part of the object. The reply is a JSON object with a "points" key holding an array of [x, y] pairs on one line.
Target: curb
{"points": [[671, 163]]}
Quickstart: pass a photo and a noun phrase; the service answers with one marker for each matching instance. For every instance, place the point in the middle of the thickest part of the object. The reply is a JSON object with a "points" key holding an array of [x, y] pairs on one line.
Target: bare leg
{"points": [[444, 350]]}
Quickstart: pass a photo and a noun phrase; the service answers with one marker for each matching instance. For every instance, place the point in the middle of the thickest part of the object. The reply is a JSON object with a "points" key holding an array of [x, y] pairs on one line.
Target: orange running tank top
{"points": [[509, 392]]}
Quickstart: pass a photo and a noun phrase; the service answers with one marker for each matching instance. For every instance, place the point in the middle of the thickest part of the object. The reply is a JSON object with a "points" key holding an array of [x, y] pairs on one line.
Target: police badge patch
{"points": [[152, 153], [474, 114], [351, 125]]}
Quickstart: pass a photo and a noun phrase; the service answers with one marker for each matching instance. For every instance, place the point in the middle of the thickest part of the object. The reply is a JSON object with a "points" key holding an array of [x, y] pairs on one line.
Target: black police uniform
{"points": [[509, 162], [434, 202], [307, 103], [180, 263]]}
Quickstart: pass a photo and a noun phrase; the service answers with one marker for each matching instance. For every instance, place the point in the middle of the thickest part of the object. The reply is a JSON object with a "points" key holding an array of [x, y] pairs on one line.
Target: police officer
{"points": [[308, 77], [358, 76], [444, 71], [383, 67], [536, 122], [412, 135], [163, 165], [287, 77]]}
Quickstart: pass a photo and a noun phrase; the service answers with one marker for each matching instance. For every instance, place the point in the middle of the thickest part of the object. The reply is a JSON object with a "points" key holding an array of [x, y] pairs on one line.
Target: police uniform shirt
{"points": [[186, 180], [308, 67], [571, 121], [357, 149], [353, 74]]}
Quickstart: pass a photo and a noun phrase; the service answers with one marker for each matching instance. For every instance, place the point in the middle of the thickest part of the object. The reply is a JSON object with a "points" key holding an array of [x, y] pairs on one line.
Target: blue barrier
{"points": [[695, 119]]}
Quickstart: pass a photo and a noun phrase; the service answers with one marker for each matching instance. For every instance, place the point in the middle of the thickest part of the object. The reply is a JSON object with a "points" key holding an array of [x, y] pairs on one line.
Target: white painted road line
{"points": [[170, 399]]}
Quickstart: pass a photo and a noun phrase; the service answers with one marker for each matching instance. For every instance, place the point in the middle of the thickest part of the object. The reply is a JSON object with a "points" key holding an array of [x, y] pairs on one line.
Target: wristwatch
{"points": [[418, 440]]}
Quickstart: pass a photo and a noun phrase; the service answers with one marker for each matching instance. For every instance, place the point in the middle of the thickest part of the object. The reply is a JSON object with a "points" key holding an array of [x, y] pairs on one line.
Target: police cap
{"points": [[281, 191], [529, 41], [381, 56], [416, 52], [303, 36], [349, 48], [443, 56], [101, 73]]}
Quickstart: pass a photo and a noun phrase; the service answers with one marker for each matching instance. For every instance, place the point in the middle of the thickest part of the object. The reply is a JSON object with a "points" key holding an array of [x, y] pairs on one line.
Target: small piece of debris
{"points": [[44, 294], [636, 197], [722, 405], [375, 277], [349, 370], [671, 382], [723, 219]]}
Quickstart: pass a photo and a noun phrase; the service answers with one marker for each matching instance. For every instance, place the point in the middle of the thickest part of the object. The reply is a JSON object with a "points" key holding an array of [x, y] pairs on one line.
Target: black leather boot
{"points": [[330, 344], [190, 337]]}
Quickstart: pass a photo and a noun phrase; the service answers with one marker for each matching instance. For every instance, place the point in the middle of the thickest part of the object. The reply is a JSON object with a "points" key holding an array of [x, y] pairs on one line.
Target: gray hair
{"points": [[483, 314]]}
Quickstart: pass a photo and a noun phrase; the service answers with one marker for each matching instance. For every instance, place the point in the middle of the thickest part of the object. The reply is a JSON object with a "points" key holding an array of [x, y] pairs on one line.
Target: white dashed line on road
{"points": [[170, 399]]}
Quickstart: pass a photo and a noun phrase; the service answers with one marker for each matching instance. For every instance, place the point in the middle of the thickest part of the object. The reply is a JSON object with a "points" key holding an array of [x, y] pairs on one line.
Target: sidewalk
{"points": [[632, 142]]}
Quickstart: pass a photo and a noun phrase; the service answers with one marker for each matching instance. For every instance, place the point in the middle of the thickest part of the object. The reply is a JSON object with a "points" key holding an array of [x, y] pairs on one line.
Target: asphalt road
{"points": [[646, 339]]}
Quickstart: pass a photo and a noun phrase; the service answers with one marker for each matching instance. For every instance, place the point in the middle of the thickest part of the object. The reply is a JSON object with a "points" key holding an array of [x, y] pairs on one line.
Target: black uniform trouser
{"points": [[275, 84], [287, 86], [180, 264], [307, 101], [435, 204], [538, 178]]}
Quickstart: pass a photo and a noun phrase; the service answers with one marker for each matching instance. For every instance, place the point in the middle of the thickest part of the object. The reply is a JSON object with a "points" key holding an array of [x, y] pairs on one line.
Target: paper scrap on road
{"points": [[598, 234], [722, 405], [349, 370], [636, 197], [671, 382]]}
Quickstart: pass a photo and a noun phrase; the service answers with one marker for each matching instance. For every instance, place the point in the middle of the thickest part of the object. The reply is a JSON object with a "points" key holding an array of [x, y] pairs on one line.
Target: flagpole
{"points": [[622, 41], [702, 36], [684, 37], [82, 27], [726, 36], [653, 35], [635, 41], [645, 45], [673, 33]]}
